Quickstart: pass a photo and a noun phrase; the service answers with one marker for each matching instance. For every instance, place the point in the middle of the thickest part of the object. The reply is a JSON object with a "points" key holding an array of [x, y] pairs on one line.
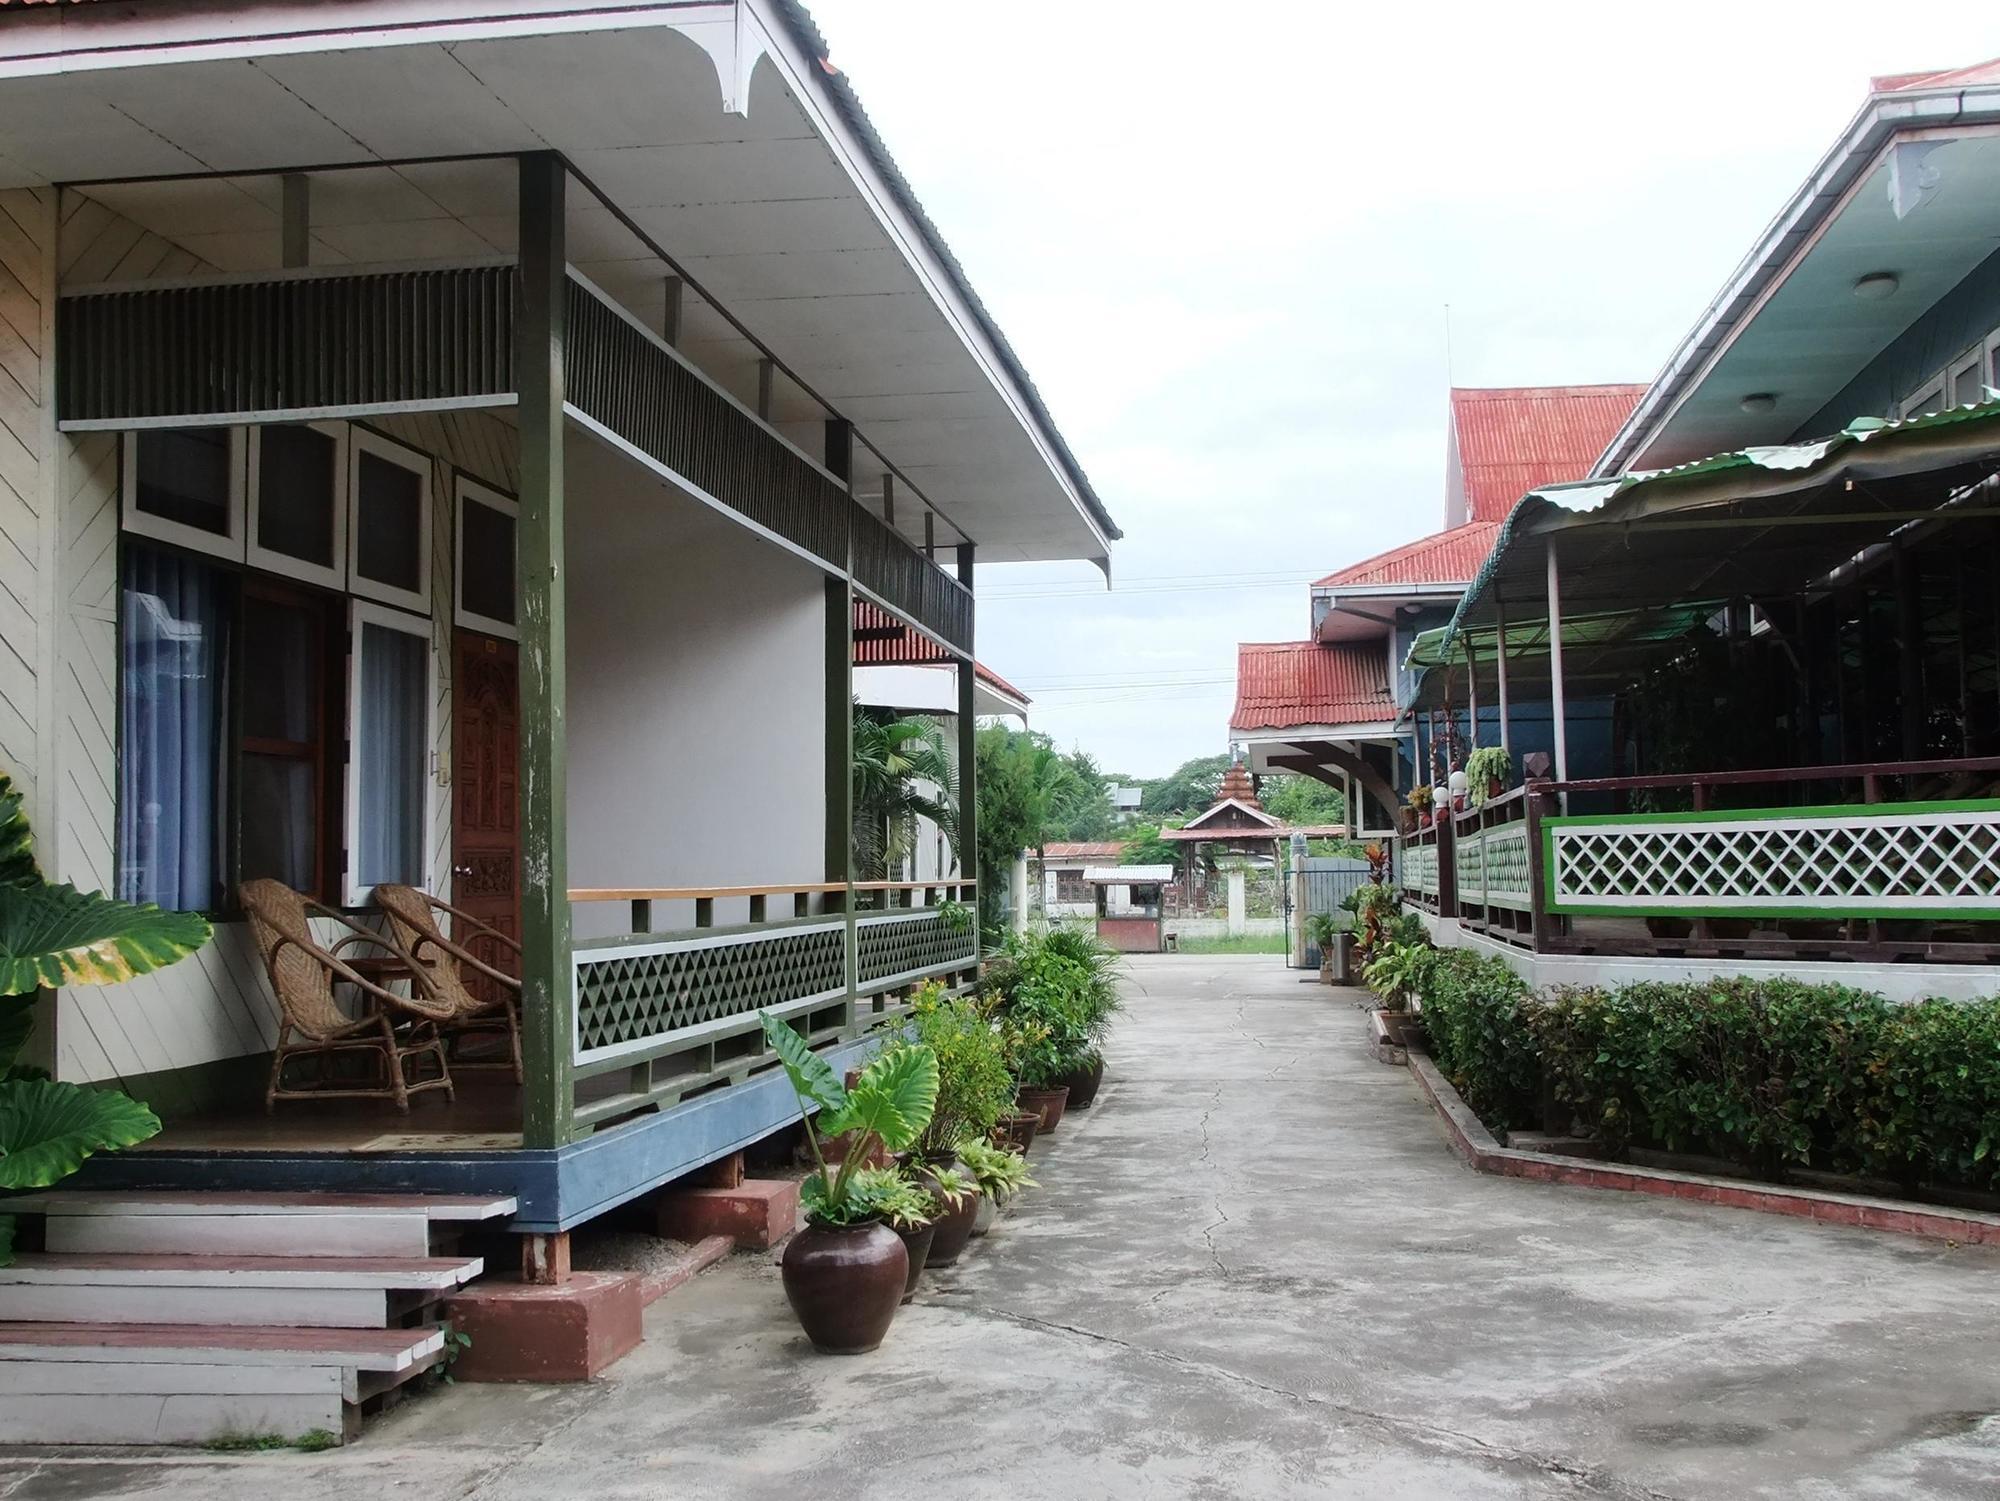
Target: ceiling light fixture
{"points": [[1877, 285], [1759, 402]]}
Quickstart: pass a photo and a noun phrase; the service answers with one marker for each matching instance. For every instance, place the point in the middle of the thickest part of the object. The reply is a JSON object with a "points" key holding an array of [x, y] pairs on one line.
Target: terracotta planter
{"points": [[1047, 1103], [954, 1227], [845, 1283], [989, 1211], [1017, 1129], [1083, 1083], [917, 1246]]}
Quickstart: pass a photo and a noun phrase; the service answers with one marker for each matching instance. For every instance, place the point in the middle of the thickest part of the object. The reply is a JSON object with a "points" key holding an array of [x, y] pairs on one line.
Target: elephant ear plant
{"points": [[846, 1272], [50, 936]]}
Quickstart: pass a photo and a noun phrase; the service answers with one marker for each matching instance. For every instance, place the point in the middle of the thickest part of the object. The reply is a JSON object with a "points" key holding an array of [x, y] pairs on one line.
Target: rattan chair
{"points": [[302, 970], [413, 917]]}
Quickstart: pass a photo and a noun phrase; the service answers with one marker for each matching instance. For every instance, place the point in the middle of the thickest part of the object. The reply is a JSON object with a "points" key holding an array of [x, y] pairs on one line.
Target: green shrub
{"points": [[1476, 1012], [975, 1087], [1767, 1073]]}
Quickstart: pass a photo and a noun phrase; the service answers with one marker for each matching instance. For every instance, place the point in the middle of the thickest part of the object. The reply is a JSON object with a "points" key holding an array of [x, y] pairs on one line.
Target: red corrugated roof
{"points": [[1514, 438], [1891, 83], [1098, 849], [891, 643], [1284, 683], [1451, 557]]}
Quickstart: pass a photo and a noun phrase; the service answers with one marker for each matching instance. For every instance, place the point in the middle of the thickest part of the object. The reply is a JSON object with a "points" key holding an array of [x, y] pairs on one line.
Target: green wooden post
{"points": [[839, 756], [548, 992], [968, 741]]}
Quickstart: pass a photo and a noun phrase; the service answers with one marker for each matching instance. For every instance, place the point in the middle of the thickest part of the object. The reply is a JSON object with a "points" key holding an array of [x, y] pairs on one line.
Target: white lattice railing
{"points": [[1420, 868], [1492, 867], [1865, 860]]}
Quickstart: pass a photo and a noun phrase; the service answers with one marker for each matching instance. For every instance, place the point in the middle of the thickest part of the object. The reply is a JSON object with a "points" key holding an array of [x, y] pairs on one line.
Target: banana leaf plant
{"points": [[50, 936], [888, 1107]]}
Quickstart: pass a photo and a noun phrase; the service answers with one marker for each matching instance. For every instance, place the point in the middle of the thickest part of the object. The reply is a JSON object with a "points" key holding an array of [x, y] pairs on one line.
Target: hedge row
{"points": [[1765, 1073]]}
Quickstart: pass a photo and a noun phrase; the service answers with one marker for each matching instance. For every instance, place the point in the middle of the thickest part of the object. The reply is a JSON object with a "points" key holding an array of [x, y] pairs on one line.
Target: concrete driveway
{"points": [[1254, 1270]]}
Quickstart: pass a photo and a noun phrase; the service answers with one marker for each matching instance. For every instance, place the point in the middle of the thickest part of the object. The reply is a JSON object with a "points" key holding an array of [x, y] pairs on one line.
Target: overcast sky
{"points": [[1223, 237]]}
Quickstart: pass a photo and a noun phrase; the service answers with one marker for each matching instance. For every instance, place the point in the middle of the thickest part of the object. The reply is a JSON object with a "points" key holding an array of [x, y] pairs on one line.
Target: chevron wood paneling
{"points": [[27, 230]]}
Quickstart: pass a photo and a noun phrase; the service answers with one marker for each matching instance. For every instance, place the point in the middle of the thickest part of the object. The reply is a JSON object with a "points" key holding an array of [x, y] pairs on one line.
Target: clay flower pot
{"points": [[953, 1228], [844, 1282], [1017, 1129], [1047, 1103], [917, 1246], [1082, 1084]]}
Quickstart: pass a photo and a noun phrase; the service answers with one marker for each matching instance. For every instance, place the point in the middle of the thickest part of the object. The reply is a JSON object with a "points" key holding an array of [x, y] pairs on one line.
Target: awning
{"points": [[1754, 523]]}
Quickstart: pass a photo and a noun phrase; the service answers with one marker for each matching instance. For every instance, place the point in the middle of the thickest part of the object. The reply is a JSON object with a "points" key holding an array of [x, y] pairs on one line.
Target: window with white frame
{"points": [[239, 755], [392, 686], [389, 533], [1962, 382], [483, 593], [1927, 398]]}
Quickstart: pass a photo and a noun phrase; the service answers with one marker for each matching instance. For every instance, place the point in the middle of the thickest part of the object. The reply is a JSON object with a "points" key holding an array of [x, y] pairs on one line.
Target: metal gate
{"points": [[1329, 881]]}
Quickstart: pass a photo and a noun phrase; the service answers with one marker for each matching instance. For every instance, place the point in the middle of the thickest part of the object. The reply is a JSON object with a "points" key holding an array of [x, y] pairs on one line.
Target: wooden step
{"points": [[314, 1291], [250, 1224], [126, 1383]]}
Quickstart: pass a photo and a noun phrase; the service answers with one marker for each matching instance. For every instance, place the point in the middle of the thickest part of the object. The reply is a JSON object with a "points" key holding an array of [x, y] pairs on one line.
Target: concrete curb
{"points": [[1473, 1142], [701, 1256]]}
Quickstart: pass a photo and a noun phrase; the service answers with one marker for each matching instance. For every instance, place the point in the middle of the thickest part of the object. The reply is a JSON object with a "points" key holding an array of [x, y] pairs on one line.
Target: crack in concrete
{"points": [[1215, 1201], [1433, 1436]]}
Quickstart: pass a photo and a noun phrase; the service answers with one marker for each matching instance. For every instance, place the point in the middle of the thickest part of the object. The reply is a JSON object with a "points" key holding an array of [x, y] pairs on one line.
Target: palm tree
{"points": [[895, 762]]}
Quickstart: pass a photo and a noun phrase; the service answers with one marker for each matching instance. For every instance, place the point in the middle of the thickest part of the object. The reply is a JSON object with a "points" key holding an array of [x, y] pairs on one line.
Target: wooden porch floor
{"points": [[486, 1117]]}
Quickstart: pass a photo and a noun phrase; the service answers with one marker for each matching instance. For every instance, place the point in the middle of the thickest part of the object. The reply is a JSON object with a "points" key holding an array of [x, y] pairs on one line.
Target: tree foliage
{"points": [[1184, 791], [1027, 789], [1301, 801], [896, 761]]}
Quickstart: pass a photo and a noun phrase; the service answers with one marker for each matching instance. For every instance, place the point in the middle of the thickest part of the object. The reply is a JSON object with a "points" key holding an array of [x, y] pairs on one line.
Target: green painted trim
{"points": [[1740, 815], [1826, 914], [548, 979]]}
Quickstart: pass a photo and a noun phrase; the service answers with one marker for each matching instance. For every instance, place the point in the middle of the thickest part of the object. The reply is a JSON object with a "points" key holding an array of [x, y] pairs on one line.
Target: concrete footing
{"points": [[756, 1214], [568, 1331]]}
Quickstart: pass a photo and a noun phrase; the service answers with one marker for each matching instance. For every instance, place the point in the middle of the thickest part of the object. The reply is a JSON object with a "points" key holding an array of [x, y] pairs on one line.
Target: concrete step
{"points": [[308, 1291], [126, 1383], [250, 1224]]}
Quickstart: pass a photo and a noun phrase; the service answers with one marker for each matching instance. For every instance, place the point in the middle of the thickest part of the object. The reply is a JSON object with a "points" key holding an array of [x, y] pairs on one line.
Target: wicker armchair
{"points": [[413, 917], [302, 971]]}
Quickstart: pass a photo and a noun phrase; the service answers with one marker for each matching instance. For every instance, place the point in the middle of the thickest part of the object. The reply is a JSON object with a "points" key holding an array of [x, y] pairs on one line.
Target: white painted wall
{"points": [[696, 696]]}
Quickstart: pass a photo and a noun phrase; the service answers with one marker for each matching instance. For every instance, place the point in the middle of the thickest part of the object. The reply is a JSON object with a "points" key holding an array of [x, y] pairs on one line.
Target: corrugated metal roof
{"points": [[1513, 439], [891, 643], [1280, 684], [1451, 557], [1086, 849], [1896, 83]]}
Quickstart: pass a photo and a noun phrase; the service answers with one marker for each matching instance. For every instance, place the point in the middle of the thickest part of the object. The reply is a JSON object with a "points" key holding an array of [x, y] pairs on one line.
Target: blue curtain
{"points": [[394, 757], [174, 695]]}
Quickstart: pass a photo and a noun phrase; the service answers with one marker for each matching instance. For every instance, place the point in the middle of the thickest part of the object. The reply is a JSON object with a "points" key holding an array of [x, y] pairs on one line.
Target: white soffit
{"points": [[1812, 335], [768, 210]]}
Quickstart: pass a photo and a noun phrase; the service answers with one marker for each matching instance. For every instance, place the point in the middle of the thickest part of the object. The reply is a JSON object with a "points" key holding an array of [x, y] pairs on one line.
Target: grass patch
{"points": [[312, 1441], [1240, 943]]}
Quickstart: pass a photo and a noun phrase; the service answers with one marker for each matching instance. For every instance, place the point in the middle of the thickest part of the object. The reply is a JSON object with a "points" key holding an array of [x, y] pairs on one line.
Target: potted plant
{"points": [[845, 1272], [1488, 769], [1001, 1175], [907, 1210], [1420, 806], [1396, 973], [975, 1088], [1323, 932]]}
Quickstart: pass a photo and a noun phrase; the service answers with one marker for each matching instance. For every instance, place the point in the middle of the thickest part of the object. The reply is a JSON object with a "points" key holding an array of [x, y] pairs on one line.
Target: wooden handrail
{"points": [[705, 893], [1850, 771], [697, 893]]}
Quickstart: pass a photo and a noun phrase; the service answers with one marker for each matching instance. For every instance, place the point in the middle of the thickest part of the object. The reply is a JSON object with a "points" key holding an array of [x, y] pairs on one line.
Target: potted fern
{"points": [[845, 1273], [1323, 932], [51, 936], [1487, 771]]}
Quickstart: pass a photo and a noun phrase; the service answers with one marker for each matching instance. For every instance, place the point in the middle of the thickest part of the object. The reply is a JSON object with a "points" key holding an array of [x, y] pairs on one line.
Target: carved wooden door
{"points": [[485, 820]]}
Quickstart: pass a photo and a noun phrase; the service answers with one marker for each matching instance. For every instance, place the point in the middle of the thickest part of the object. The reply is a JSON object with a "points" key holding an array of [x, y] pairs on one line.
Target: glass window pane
{"points": [[183, 476], [1965, 384], [392, 755], [176, 616], [486, 542], [389, 513], [295, 499], [280, 832], [281, 671]]}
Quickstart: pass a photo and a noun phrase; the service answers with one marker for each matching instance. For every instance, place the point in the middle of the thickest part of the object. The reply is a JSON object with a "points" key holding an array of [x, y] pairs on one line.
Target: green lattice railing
{"points": [[1492, 867], [898, 948]]}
